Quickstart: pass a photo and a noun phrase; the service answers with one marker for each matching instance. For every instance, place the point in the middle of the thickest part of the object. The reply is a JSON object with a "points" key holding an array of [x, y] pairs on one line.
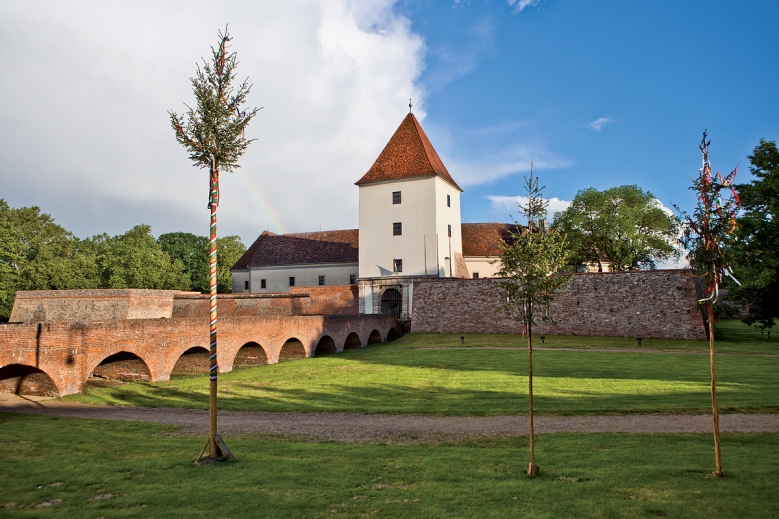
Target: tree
{"points": [[756, 247], [38, 254], [135, 260], [707, 235], [192, 252], [531, 262], [228, 250], [213, 134], [624, 226]]}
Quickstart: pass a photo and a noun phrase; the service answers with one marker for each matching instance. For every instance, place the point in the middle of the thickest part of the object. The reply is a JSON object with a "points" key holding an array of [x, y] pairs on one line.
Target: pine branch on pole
{"points": [[707, 235], [214, 135]]}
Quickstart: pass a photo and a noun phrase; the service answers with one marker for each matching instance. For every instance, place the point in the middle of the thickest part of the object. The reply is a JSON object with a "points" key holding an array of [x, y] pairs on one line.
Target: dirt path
{"points": [[354, 427]]}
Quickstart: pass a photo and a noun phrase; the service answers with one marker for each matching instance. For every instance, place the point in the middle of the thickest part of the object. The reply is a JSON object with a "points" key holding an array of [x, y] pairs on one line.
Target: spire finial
{"points": [[409, 105]]}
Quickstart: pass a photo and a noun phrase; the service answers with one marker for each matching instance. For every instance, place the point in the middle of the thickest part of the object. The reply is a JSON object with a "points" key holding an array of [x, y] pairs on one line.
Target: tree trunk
{"points": [[715, 415], [532, 468], [213, 370]]}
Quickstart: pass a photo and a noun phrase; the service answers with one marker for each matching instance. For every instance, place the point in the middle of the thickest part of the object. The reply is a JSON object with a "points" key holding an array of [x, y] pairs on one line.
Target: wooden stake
{"points": [[715, 415]]}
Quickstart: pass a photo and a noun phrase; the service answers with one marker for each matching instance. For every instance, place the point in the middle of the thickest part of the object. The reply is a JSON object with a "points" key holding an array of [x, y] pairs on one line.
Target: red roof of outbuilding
{"points": [[485, 239], [408, 154], [301, 249]]}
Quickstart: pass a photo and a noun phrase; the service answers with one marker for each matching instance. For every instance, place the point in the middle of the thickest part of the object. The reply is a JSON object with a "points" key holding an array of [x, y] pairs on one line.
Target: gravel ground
{"points": [[356, 427]]}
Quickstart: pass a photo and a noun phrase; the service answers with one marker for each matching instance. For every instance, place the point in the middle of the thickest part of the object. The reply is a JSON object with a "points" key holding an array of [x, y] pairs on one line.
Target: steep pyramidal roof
{"points": [[407, 154]]}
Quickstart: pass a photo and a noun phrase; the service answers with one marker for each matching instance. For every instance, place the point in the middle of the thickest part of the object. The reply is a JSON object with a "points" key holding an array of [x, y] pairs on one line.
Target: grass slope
{"points": [[394, 378], [60, 467]]}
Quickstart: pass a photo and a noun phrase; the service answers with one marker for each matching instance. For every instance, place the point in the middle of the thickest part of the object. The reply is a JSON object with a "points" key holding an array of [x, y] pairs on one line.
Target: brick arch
{"points": [[251, 353], [325, 345], [192, 361], [21, 379], [374, 337], [352, 341], [292, 349], [125, 364], [392, 334]]}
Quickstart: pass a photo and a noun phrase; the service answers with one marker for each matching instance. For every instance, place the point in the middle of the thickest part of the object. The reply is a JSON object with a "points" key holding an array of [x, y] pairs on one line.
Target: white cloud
{"points": [[519, 5], [85, 133], [598, 124], [506, 206]]}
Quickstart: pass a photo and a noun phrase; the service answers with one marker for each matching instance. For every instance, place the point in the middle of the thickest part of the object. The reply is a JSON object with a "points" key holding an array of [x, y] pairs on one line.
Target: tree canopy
{"points": [[624, 226], [36, 253], [756, 248]]}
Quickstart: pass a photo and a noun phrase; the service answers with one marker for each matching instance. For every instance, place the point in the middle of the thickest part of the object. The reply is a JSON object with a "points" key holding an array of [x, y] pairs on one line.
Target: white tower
{"points": [[409, 220]]}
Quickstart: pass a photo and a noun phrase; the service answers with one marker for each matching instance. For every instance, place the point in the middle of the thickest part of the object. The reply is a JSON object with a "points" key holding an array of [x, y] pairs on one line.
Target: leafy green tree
{"points": [[192, 251], [135, 260], [624, 226], [531, 262], [38, 254], [756, 248], [228, 250]]}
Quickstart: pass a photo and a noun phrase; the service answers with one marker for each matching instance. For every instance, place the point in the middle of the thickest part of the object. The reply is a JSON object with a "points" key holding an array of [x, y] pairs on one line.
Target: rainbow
{"points": [[274, 220]]}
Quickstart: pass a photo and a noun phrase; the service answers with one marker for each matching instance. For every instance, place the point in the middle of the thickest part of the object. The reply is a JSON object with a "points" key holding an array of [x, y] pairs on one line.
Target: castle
{"points": [[409, 229]]}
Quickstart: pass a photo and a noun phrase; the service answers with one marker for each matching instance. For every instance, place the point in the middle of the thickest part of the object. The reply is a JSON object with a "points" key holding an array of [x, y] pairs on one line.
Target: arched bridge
{"points": [[59, 357]]}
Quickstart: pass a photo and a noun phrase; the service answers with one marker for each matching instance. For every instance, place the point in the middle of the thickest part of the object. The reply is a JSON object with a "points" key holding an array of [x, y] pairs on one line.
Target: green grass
{"points": [[148, 473], [732, 336], [390, 379]]}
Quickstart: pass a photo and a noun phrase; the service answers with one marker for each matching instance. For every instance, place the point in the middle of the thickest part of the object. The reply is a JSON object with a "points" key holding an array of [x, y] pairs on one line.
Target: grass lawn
{"points": [[732, 336], [61, 467], [402, 377]]}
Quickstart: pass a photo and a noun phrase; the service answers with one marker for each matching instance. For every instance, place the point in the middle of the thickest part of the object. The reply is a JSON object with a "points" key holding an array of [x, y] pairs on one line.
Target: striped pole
{"points": [[213, 201]]}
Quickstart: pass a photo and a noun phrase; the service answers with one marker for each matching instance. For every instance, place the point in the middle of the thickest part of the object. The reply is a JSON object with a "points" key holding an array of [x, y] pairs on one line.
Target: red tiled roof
{"points": [[301, 249], [485, 239], [407, 154]]}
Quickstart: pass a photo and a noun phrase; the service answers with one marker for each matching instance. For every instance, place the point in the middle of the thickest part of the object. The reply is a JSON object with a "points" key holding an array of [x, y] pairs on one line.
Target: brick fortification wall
{"points": [[108, 305], [648, 303], [341, 299]]}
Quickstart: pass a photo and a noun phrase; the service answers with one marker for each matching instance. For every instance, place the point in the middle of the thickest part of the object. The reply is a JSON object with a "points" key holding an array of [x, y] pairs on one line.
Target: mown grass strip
{"points": [[89, 468], [480, 382]]}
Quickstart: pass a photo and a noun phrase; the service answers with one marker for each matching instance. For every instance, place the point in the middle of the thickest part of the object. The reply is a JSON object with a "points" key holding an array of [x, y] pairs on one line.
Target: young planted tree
{"points": [[213, 134], [531, 262], [707, 236]]}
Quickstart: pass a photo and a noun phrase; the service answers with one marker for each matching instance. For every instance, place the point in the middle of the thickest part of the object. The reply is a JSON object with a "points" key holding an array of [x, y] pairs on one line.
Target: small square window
{"points": [[291, 281], [398, 265], [352, 279], [396, 197], [475, 275], [397, 229], [450, 230], [262, 284], [448, 201], [321, 280], [246, 285]]}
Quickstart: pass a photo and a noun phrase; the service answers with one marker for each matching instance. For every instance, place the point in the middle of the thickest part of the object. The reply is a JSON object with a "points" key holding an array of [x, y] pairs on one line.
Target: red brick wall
{"points": [[69, 352], [654, 303]]}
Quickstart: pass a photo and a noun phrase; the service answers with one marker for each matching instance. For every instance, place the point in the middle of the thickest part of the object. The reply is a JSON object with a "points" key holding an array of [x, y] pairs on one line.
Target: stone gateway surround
{"points": [[649, 303]]}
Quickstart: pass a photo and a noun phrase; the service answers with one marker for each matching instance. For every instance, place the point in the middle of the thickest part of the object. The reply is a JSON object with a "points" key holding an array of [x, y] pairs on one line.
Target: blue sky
{"points": [[596, 94], [655, 74]]}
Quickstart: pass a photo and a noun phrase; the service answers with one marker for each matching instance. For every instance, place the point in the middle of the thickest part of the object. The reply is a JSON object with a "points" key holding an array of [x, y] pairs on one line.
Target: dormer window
{"points": [[396, 197]]}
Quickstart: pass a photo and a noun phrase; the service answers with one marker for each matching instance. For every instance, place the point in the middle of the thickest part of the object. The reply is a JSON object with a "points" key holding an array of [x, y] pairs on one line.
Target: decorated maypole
{"points": [[707, 235], [214, 135]]}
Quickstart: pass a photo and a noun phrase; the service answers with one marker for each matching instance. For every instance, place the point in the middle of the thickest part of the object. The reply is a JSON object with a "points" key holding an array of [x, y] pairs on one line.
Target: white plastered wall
{"points": [[423, 211], [277, 278], [486, 266]]}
